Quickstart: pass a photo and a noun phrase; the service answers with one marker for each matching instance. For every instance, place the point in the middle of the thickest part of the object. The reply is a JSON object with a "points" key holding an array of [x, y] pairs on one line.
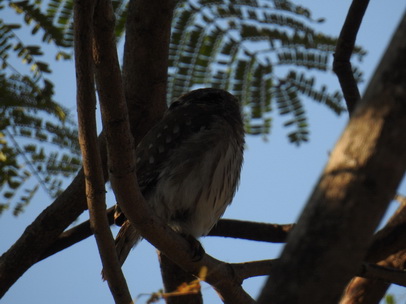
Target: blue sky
{"points": [[276, 181]]}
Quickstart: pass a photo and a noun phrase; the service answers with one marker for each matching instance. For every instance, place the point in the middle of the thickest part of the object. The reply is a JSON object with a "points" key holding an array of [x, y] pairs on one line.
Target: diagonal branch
{"points": [[361, 178], [124, 183], [86, 43], [42, 233], [37, 239], [125, 186], [344, 49], [74, 235]]}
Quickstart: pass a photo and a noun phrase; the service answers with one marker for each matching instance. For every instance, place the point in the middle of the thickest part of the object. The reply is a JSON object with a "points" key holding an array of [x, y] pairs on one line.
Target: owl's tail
{"points": [[126, 239]]}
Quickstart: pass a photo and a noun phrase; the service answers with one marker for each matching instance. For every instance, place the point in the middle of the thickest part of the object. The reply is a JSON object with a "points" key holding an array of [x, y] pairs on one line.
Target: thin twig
{"points": [[344, 49]]}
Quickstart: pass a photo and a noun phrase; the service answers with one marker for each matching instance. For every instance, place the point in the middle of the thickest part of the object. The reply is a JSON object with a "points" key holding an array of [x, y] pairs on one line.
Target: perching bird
{"points": [[188, 165]]}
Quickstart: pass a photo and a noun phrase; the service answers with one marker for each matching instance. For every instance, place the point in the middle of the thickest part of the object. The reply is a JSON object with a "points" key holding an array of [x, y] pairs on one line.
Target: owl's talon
{"points": [[196, 247]]}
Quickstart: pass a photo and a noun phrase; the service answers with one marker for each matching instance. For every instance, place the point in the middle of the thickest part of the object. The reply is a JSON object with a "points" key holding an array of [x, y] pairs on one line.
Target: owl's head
{"points": [[209, 98]]}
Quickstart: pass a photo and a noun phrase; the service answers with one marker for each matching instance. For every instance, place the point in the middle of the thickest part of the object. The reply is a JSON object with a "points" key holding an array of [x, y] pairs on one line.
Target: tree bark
{"points": [[41, 234], [363, 290], [173, 276], [387, 250], [144, 82], [101, 51], [145, 64], [334, 231], [147, 36]]}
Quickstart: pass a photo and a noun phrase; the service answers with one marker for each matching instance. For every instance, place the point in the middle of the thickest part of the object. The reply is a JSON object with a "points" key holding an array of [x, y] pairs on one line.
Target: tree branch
{"points": [[145, 64], [124, 183], [263, 232], [344, 49], [42, 233], [360, 290], [94, 32], [388, 275], [36, 241], [253, 231], [387, 250], [367, 270], [174, 276], [253, 269], [128, 195], [370, 290], [390, 239], [363, 174], [74, 235]]}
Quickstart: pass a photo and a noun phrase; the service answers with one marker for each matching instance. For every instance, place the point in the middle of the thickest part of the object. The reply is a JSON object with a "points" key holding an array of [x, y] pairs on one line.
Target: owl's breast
{"points": [[199, 180]]}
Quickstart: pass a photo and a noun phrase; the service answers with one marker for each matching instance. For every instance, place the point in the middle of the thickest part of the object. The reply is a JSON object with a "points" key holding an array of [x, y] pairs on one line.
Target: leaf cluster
{"points": [[38, 141], [265, 52]]}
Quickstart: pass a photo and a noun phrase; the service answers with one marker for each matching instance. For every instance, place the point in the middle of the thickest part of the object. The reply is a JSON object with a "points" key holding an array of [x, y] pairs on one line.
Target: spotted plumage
{"points": [[188, 165]]}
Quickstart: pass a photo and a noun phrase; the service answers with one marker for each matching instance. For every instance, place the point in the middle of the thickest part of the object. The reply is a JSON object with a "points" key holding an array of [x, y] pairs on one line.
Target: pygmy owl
{"points": [[188, 166]]}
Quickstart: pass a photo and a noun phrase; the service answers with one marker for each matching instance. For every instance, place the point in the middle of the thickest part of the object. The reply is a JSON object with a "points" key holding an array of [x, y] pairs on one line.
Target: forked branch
{"points": [[84, 11], [344, 50]]}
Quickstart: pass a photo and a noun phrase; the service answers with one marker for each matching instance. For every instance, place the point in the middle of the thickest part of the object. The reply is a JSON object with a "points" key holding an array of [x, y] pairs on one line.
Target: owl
{"points": [[188, 165]]}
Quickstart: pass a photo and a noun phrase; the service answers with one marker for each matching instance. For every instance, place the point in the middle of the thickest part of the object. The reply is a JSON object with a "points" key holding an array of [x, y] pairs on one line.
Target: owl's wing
{"points": [[179, 124]]}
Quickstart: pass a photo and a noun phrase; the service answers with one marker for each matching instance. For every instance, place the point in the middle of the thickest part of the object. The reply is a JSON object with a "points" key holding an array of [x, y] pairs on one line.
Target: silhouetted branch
{"points": [[387, 249], [253, 269], [42, 233], [145, 62], [263, 232], [94, 35], [354, 190], [389, 275], [120, 147], [74, 235], [36, 241], [344, 49], [390, 239], [174, 276]]}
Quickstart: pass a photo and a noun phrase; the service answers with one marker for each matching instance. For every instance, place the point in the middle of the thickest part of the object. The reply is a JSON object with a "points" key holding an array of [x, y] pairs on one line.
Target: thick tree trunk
{"points": [[334, 231], [145, 66]]}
